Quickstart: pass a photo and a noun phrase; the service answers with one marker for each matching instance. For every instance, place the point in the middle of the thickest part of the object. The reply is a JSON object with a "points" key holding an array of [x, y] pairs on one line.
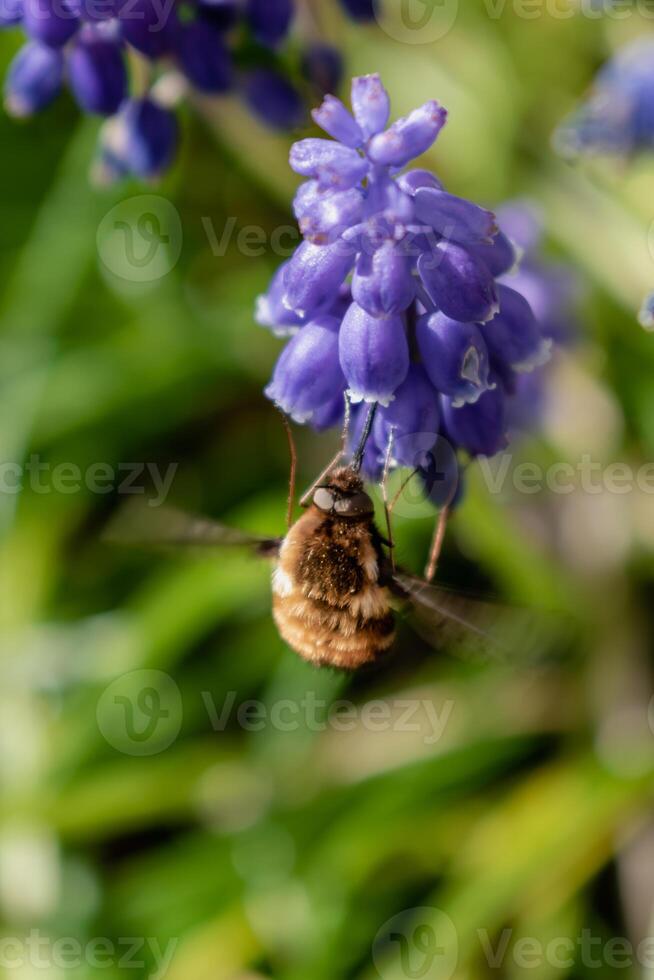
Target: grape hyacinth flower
{"points": [[86, 44], [410, 283], [617, 118]]}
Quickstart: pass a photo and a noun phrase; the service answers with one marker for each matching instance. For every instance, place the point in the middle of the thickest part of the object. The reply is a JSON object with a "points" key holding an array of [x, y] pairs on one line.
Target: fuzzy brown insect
{"points": [[331, 600], [335, 588]]}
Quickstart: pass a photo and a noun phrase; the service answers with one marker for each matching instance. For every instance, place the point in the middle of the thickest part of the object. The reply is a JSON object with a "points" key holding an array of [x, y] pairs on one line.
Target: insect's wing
{"points": [[142, 525], [467, 627]]}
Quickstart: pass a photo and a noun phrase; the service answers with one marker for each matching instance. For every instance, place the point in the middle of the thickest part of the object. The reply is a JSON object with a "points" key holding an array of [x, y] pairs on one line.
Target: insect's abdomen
{"points": [[327, 601]]}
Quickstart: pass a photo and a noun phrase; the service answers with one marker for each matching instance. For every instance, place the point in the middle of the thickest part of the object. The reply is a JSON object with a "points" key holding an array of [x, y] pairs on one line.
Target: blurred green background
{"points": [[134, 800]]}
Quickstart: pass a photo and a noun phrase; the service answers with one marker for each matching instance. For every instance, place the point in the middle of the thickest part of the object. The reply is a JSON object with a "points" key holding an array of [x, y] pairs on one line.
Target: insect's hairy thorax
{"points": [[337, 560], [328, 602]]}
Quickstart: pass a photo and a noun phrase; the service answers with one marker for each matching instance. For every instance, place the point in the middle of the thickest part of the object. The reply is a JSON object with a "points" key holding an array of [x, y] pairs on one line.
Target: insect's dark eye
{"points": [[355, 506], [323, 499]]}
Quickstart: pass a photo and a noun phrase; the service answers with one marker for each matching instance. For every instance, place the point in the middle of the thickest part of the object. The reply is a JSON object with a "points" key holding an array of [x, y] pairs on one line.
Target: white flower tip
{"points": [[494, 309], [293, 309], [540, 356], [17, 107], [384, 401], [519, 253], [285, 406], [472, 396], [646, 314], [262, 313], [356, 397], [170, 89], [471, 366], [102, 176], [301, 417]]}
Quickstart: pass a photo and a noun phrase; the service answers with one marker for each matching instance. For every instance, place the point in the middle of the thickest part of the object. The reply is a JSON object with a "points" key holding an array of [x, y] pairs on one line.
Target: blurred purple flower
{"points": [[359, 9], [203, 56], [141, 139], [617, 117], [85, 43], [273, 99], [97, 74], [646, 314], [554, 293], [322, 66], [270, 20], [551, 288], [34, 79]]}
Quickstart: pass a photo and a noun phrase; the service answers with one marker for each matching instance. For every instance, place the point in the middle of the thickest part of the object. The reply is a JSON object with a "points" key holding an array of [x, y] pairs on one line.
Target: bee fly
{"points": [[335, 586], [331, 602]]}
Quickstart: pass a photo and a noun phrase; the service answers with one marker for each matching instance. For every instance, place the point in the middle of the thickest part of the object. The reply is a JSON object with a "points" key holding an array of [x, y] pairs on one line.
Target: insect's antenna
{"points": [[293, 468], [384, 489], [339, 455], [357, 458], [437, 543]]}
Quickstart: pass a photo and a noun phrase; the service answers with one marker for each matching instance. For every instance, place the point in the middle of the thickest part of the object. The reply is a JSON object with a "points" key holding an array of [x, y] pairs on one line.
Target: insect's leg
{"points": [[437, 543], [347, 418], [293, 469], [399, 493], [337, 458], [357, 458], [384, 489]]}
